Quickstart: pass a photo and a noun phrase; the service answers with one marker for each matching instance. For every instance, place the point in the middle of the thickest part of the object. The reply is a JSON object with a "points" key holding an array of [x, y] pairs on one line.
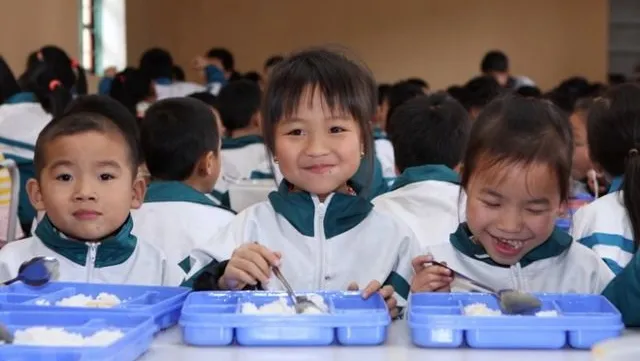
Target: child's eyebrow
{"points": [[61, 163], [327, 118], [108, 163], [491, 192], [541, 201]]}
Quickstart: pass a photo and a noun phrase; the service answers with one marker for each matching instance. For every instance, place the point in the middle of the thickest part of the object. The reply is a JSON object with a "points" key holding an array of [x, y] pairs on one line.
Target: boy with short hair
{"points": [[243, 151], [86, 182], [429, 137], [181, 145]]}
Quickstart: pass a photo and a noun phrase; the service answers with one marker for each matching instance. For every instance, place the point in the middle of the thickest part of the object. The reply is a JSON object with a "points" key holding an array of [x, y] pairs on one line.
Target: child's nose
{"points": [[84, 191], [510, 221], [316, 146]]}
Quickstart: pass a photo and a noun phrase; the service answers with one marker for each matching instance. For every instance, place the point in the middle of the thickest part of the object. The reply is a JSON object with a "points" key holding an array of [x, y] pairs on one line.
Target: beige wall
{"points": [[26, 25], [440, 40]]}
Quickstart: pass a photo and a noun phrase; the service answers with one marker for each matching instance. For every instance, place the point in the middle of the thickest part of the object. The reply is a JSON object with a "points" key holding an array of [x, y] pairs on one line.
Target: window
{"points": [[88, 36], [103, 35]]}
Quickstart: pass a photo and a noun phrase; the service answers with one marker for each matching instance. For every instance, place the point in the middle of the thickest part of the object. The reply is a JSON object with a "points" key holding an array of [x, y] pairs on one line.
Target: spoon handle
{"points": [[466, 281], [285, 283]]}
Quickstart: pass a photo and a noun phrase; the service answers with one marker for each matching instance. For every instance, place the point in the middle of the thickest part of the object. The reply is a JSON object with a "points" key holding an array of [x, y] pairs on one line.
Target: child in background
{"points": [[318, 228], [611, 224], [181, 146], [210, 100], [133, 89], [581, 161], [157, 64], [516, 174], [384, 149], [269, 64], [243, 149], [24, 113], [480, 91], [430, 134], [86, 183]]}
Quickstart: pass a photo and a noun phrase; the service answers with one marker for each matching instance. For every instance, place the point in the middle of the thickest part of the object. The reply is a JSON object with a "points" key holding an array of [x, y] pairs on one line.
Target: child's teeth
{"points": [[514, 244]]}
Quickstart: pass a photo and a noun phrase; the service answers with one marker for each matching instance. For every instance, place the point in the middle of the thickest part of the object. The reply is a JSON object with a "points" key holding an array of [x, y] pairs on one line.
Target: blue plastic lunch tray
{"points": [[162, 303], [138, 336], [215, 319], [438, 320]]}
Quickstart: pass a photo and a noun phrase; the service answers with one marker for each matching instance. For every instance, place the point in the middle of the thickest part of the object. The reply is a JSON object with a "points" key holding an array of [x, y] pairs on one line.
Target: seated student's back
{"points": [[181, 146], [429, 137], [243, 149], [85, 181], [611, 224]]}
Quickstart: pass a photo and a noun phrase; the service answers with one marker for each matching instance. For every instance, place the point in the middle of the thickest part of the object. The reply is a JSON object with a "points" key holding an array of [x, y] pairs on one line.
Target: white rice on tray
{"points": [[59, 337], [103, 300], [280, 307], [481, 309]]}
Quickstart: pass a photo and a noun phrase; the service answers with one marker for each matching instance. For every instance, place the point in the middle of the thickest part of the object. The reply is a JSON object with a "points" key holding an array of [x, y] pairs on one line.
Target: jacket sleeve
{"points": [[208, 255], [624, 292], [401, 277]]}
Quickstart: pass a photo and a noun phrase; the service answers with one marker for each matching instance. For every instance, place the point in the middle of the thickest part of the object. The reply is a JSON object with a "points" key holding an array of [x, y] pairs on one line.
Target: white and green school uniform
{"points": [[176, 217], [324, 245], [604, 226], [240, 158], [384, 152], [557, 266], [118, 259], [22, 118], [428, 199]]}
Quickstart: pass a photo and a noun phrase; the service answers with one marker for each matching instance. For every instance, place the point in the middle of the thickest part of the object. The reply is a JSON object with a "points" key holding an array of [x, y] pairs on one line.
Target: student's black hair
{"points": [[480, 91], [130, 87], [175, 134], [458, 93], [206, 97], [65, 69], [419, 82], [253, 76], [157, 63], [613, 134], [616, 79], [529, 91], [583, 104], [112, 110], [50, 91], [225, 56], [237, 102], [8, 84], [518, 130], [569, 91], [383, 92], [429, 130], [77, 123], [273, 61], [398, 94], [177, 73], [346, 85], [494, 60]]}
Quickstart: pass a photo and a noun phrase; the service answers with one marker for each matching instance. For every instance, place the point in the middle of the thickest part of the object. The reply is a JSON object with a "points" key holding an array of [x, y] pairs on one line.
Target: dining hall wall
{"points": [[26, 25], [439, 40]]}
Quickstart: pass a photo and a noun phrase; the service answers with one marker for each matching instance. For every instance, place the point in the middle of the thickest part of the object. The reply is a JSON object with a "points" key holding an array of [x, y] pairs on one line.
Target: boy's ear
{"points": [[139, 189], [459, 168], [208, 163], [256, 120], [35, 194]]}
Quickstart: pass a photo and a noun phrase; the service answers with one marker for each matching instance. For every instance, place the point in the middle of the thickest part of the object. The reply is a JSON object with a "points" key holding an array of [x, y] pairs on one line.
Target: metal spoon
{"points": [[37, 271], [300, 303], [511, 301]]}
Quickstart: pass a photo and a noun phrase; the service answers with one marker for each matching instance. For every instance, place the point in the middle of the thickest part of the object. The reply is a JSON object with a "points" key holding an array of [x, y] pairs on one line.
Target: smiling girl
{"points": [[319, 227]]}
